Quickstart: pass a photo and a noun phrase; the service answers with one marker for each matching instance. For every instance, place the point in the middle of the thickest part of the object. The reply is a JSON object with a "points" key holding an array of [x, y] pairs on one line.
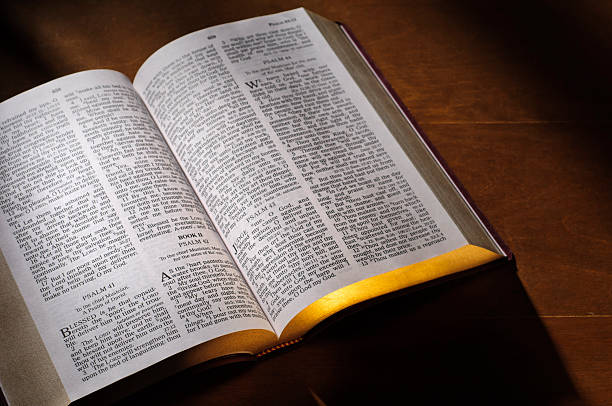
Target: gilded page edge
{"points": [[461, 259], [228, 348]]}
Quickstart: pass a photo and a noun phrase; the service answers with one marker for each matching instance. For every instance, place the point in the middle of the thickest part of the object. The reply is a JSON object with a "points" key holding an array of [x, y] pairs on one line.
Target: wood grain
{"points": [[516, 96]]}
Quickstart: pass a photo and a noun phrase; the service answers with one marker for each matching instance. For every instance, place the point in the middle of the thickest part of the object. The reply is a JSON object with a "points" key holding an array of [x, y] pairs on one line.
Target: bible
{"points": [[254, 179]]}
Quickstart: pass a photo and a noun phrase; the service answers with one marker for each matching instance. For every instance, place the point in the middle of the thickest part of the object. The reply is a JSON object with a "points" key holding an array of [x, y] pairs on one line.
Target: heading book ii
{"points": [[253, 180]]}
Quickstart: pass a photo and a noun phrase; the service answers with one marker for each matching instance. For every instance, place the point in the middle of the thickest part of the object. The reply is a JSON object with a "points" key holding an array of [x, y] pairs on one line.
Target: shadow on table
{"points": [[474, 340]]}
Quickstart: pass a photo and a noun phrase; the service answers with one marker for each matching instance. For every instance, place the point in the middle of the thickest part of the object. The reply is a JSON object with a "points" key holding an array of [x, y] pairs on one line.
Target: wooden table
{"points": [[517, 99]]}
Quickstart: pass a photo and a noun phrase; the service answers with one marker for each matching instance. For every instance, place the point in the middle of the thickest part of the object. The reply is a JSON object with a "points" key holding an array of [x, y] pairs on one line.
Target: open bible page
{"points": [[118, 262], [307, 186]]}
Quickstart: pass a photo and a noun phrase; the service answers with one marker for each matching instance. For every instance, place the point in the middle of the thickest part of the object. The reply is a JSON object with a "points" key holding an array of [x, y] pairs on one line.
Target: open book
{"points": [[256, 178]]}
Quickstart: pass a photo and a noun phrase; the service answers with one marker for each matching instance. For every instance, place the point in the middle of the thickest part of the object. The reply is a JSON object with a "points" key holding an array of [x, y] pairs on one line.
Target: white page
{"points": [[114, 255], [300, 175]]}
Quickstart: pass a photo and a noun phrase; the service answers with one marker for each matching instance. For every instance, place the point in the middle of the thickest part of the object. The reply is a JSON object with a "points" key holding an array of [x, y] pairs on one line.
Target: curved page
{"points": [[306, 185], [118, 262]]}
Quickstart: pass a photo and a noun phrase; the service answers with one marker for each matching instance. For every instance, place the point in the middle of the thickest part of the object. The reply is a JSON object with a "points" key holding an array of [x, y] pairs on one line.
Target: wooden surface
{"points": [[517, 98]]}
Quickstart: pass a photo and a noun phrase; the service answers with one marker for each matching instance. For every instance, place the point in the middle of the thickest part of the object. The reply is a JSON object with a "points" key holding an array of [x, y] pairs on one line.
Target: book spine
{"points": [[279, 346], [459, 186]]}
